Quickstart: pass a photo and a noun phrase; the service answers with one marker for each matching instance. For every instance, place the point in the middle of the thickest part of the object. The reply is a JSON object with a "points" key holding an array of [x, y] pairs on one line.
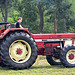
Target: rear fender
{"points": [[8, 31]]}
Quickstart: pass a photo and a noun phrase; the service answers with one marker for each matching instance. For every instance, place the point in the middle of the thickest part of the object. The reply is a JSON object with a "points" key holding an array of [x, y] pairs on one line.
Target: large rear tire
{"points": [[18, 51], [67, 56], [52, 60]]}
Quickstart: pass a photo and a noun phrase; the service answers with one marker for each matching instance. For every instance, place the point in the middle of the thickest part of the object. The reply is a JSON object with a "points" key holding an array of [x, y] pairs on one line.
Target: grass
{"points": [[41, 67]]}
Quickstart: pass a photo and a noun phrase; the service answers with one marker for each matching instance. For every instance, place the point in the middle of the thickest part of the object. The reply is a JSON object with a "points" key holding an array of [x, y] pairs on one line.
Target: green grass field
{"points": [[41, 67]]}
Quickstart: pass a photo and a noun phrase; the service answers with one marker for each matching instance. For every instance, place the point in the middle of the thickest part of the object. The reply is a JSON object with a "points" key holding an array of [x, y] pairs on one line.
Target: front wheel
{"points": [[67, 56], [18, 51], [52, 60]]}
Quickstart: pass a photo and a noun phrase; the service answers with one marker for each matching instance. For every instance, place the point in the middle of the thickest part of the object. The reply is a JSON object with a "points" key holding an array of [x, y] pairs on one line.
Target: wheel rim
{"points": [[56, 60], [71, 56], [20, 51]]}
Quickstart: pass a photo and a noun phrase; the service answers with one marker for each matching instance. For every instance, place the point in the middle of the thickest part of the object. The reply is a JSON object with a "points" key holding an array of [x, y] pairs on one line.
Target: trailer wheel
{"points": [[18, 51], [52, 60], [67, 56]]}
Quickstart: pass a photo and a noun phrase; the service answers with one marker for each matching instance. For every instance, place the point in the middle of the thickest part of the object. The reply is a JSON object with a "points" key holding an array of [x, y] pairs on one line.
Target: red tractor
{"points": [[19, 48]]}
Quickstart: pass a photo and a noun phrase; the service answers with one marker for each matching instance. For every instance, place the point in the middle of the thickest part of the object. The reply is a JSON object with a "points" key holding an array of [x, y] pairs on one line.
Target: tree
{"points": [[41, 4], [41, 17], [4, 6], [28, 11], [63, 13], [4, 9]]}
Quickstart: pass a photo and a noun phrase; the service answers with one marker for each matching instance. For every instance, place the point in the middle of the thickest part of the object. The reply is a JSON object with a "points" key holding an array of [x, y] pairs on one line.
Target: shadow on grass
{"points": [[38, 67], [4, 68], [47, 67]]}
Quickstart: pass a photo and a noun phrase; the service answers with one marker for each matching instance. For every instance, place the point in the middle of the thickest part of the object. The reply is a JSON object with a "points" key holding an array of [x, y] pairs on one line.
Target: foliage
{"points": [[63, 14], [14, 18], [71, 29], [28, 9], [4, 6]]}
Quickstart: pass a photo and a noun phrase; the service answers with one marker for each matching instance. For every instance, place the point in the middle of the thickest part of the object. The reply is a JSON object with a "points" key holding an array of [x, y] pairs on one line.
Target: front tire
{"points": [[67, 56], [18, 51], [52, 60]]}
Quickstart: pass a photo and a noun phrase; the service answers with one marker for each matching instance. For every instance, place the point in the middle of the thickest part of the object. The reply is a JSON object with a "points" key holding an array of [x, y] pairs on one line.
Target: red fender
{"points": [[14, 29]]}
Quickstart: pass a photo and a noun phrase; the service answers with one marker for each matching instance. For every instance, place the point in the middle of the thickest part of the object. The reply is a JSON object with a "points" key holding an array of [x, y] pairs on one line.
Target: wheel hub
{"points": [[19, 51], [71, 56]]}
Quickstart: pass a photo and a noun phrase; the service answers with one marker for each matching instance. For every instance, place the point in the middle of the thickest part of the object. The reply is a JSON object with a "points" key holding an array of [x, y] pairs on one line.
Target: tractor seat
{"points": [[12, 26]]}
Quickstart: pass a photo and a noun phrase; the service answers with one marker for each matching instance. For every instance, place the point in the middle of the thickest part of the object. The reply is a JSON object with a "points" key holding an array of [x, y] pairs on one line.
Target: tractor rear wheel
{"points": [[67, 56], [52, 60], [18, 51]]}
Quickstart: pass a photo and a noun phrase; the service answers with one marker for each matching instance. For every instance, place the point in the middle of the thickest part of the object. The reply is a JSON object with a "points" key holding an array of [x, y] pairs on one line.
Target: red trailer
{"points": [[20, 48]]}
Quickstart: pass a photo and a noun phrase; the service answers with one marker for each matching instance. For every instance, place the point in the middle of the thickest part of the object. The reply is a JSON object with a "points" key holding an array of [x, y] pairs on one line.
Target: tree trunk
{"points": [[2, 12], [41, 18], [64, 21], [6, 10], [55, 24]]}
